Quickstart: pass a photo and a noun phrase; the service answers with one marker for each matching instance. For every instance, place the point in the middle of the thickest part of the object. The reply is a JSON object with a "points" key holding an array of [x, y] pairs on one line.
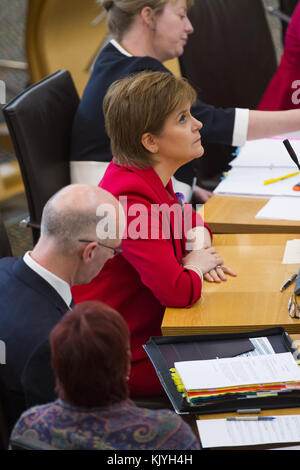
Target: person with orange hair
{"points": [[91, 361]]}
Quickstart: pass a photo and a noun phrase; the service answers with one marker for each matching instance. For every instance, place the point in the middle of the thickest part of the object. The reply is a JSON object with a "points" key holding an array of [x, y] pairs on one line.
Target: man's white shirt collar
{"points": [[61, 286]]}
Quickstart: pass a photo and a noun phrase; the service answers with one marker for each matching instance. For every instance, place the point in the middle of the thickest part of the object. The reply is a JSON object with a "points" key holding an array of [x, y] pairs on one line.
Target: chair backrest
{"points": [[5, 248], [40, 123], [230, 57]]}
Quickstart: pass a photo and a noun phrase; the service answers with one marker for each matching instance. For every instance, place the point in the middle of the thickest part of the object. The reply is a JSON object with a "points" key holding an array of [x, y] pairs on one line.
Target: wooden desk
{"points": [[233, 214], [252, 300]]}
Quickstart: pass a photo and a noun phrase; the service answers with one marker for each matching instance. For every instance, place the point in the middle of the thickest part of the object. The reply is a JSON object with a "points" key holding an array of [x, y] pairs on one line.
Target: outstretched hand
{"points": [[217, 274]]}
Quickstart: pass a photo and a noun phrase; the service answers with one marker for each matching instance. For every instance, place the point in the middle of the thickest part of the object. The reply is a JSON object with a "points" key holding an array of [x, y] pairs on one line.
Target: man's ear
{"points": [[149, 142], [89, 252]]}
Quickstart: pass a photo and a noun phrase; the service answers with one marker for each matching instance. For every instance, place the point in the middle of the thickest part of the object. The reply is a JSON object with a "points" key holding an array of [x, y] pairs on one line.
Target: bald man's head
{"points": [[75, 212]]}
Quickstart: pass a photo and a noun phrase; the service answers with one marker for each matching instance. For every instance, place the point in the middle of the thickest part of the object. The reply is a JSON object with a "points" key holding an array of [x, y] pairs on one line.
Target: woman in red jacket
{"points": [[167, 249], [283, 91]]}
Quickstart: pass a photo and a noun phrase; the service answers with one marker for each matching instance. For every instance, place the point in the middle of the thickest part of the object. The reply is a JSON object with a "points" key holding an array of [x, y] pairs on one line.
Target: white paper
{"points": [[222, 433], [281, 208], [250, 182], [261, 346], [266, 153], [292, 252], [235, 371]]}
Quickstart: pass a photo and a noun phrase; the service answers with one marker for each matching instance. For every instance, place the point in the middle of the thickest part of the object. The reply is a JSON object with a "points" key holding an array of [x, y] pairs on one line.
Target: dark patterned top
{"points": [[122, 426]]}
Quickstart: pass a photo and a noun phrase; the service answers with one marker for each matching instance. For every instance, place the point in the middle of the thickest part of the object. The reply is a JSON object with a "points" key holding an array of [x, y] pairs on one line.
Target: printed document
{"points": [[222, 433], [236, 371]]}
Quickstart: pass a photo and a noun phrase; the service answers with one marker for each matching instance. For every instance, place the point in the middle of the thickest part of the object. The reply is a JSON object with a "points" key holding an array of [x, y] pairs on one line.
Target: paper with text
{"points": [[235, 371], [222, 433]]}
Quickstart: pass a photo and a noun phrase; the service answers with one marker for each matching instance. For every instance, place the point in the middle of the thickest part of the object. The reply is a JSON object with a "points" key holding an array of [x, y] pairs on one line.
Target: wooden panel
{"points": [[230, 214]]}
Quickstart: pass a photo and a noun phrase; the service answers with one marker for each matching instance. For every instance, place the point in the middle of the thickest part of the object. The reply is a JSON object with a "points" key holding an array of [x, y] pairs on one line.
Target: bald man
{"points": [[35, 291]]}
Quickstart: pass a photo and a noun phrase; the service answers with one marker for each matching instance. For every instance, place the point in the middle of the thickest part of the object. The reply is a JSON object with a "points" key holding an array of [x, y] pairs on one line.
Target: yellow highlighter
{"points": [[273, 180]]}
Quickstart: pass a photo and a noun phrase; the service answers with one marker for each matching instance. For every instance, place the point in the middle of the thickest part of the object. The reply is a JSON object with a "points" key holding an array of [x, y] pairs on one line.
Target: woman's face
{"points": [[180, 140], [171, 30]]}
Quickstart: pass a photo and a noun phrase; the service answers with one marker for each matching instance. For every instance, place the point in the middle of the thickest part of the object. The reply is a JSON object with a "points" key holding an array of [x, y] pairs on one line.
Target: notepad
{"points": [[222, 433]]}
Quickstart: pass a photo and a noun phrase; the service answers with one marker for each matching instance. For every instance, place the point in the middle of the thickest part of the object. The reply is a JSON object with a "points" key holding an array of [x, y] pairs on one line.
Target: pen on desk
{"points": [[250, 418], [288, 282], [291, 152], [274, 180], [296, 187]]}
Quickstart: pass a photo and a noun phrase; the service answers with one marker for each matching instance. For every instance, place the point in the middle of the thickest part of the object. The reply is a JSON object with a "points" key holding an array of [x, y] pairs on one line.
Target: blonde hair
{"points": [[121, 13], [138, 104]]}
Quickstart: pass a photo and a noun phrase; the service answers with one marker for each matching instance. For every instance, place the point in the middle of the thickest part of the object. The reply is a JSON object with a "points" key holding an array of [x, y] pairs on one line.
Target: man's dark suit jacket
{"points": [[29, 309]]}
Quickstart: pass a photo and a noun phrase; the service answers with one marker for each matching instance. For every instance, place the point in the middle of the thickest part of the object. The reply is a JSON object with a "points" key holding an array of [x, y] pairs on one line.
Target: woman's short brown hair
{"points": [[138, 104], [121, 13], [89, 355]]}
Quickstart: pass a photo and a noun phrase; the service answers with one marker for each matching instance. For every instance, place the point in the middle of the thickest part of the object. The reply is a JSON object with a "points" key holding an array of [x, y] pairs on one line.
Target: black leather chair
{"points": [[229, 59], [40, 122], [5, 248]]}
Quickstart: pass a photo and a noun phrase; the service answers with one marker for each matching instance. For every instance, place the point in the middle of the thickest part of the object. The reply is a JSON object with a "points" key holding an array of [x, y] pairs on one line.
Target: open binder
{"points": [[166, 350]]}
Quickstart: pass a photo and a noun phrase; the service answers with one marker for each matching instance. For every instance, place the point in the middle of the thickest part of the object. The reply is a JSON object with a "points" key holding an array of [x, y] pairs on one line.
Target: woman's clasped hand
{"points": [[209, 262]]}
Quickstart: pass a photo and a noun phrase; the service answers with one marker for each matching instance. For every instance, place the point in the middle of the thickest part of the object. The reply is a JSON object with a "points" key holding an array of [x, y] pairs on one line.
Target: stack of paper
{"points": [[238, 377], [259, 161]]}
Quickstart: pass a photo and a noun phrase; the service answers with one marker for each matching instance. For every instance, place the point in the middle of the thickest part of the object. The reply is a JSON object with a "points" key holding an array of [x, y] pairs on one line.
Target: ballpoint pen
{"points": [[288, 282], [250, 418], [291, 152]]}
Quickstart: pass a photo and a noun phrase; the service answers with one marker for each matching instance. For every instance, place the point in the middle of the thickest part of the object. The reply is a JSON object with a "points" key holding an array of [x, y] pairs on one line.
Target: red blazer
{"points": [[283, 91], [148, 276]]}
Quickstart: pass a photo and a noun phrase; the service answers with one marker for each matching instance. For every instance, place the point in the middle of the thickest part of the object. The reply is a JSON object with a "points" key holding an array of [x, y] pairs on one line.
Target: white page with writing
{"points": [[235, 371], [222, 433]]}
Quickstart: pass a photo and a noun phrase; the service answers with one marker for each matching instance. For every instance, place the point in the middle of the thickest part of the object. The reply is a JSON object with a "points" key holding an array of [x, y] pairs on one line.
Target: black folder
{"points": [[164, 351]]}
